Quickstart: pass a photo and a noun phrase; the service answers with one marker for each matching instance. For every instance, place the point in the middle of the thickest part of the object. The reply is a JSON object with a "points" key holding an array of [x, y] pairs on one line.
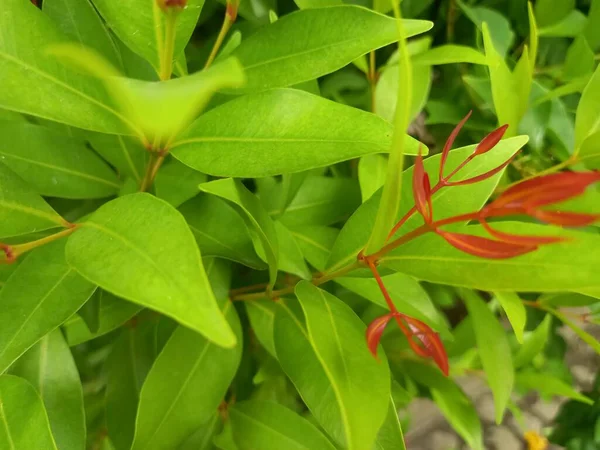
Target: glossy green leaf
{"points": [[408, 296], [452, 401], [447, 202], [40, 295], [127, 366], [360, 383], [515, 311], [256, 217], [450, 54], [140, 24], [291, 259], [311, 43], [270, 426], [206, 216], [534, 343], [199, 373], [320, 201], [22, 211], [546, 384], [262, 316], [22, 412], [305, 4], [588, 111], [494, 351], [580, 60], [51, 370], [176, 183], [113, 312], [79, 20], [371, 174], [316, 243], [557, 267], [61, 95], [549, 12], [274, 139], [125, 153], [54, 164], [499, 26], [121, 248], [390, 436]]}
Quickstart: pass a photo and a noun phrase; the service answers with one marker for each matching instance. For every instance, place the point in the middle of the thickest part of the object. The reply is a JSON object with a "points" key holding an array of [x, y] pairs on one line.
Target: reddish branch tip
{"points": [[375, 331], [166, 5], [232, 10], [490, 141], [450, 142], [422, 189], [484, 247]]}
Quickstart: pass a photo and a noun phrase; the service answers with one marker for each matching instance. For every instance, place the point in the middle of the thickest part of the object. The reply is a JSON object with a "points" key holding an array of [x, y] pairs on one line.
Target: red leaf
{"points": [[450, 142], [490, 141], [519, 239], [422, 189], [546, 190], [481, 177], [375, 331], [484, 247], [429, 345], [564, 218]]}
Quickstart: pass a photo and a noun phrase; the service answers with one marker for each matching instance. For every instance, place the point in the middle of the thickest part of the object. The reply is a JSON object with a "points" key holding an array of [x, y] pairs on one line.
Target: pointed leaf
{"points": [[565, 218], [61, 95], [51, 370], [484, 247], [534, 343], [375, 331], [275, 140], [371, 174], [122, 248], [494, 351], [588, 110], [41, 294], [546, 384], [270, 426], [262, 315], [390, 436], [280, 54], [515, 311], [450, 54], [253, 213], [54, 164], [490, 141], [291, 259], [450, 142], [23, 416]]}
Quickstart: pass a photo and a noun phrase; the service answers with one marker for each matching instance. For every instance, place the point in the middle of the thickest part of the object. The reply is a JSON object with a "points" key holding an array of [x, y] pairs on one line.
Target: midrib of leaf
{"points": [[32, 211], [6, 427], [310, 241], [222, 244], [436, 198], [255, 139], [334, 386], [301, 207], [38, 306], [207, 437], [63, 169], [186, 382], [272, 430], [130, 163], [72, 89], [43, 360]]}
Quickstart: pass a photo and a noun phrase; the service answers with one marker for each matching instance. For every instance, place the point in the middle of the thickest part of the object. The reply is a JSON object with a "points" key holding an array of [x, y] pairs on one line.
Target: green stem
{"points": [[166, 65], [230, 15], [19, 249]]}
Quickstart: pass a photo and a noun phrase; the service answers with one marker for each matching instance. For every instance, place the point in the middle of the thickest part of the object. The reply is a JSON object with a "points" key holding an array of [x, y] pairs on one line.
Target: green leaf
{"points": [[447, 202], [122, 248], [305, 4], [452, 401], [90, 311], [139, 24], [580, 60], [494, 351], [587, 120], [557, 267], [450, 54], [22, 413], [199, 373], [22, 211], [592, 32], [307, 44], [546, 384], [357, 384], [316, 243], [549, 12], [125, 153], [275, 140], [206, 215], [534, 343], [60, 95], [499, 26], [390, 436], [253, 213], [113, 313], [408, 296], [54, 164], [270, 426], [291, 259], [515, 311], [371, 174], [202, 439], [262, 315], [79, 21], [177, 183], [568, 299], [127, 366], [571, 25], [583, 335], [51, 370], [320, 201], [40, 295]]}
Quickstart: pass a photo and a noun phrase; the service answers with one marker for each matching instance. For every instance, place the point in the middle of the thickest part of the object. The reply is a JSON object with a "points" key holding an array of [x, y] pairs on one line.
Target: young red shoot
{"points": [[484, 247], [422, 189], [450, 142]]}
